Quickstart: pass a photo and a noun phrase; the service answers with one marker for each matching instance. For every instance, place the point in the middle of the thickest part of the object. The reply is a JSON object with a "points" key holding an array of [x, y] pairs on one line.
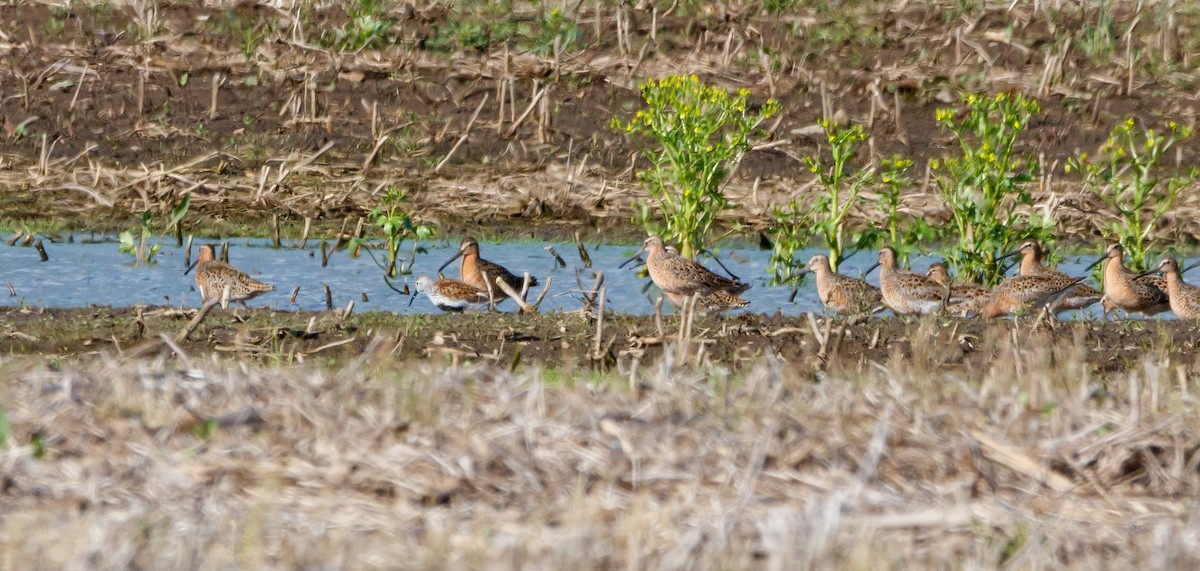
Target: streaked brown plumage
{"points": [[1185, 298], [1124, 289], [962, 298], [1020, 293], [472, 268], [677, 275], [451, 295], [904, 292], [715, 302], [842, 294], [1031, 265], [214, 276]]}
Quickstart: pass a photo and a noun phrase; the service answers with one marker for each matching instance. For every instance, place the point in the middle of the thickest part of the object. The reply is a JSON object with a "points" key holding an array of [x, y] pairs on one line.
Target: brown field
{"points": [[112, 109], [284, 440]]}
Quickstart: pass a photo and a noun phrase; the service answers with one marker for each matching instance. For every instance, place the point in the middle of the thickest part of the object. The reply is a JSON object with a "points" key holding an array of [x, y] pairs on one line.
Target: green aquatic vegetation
{"points": [[985, 188], [693, 135], [1126, 176], [397, 225]]}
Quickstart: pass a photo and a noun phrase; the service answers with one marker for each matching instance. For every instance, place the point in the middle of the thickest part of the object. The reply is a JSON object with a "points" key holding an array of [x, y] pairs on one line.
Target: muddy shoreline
{"points": [[569, 340]]}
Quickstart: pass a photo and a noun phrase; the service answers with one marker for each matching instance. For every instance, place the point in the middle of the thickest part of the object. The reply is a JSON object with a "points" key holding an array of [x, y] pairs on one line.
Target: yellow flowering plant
{"points": [[1125, 175], [692, 134], [985, 186], [843, 187]]}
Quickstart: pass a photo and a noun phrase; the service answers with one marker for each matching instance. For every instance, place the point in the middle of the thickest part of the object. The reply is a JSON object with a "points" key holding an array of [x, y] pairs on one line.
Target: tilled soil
{"points": [[108, 112]]}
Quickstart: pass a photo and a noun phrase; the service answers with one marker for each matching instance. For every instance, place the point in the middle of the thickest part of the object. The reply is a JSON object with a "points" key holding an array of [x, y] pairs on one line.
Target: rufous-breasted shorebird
{"points": [[1184, 297], [472, 269], [1123, 289], [1080, 297], [904, 292]]}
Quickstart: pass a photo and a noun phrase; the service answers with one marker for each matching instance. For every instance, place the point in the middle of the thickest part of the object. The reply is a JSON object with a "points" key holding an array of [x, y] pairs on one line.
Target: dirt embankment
{"points": [[570, 340], [489, 116]]}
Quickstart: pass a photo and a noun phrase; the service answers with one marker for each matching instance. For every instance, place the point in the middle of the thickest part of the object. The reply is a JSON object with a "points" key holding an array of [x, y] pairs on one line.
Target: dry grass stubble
{"points": [[1029, 462]]}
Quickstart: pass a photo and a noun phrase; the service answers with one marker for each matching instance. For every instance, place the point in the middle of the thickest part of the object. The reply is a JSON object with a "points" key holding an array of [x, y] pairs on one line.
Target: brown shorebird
{"points": [[1123, 289], [1031, 265], [965, 298], [715, 302], [1184, 297], [842, 294], [904, 292], [679, 278], [472, 268], [1023, 293], [217, 280], [450, 295]]}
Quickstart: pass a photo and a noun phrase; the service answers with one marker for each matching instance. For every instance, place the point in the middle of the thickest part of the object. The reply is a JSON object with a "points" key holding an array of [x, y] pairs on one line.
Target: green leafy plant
{"points": [[903, 234], [985, 187], [789, 234], [1125, 177], [556, 31], [369, 26], [138, 246], [397, 226], [692, 134], [842, 192], [142, 251]]}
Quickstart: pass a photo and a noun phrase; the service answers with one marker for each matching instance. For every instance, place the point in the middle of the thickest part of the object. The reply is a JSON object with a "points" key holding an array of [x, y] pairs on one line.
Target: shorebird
{"points": [[842, 294], [715, 302], [1030, 292], [967, 298], [214, 278], [1145, 294], [1184, 297], [1031, 265], [451, 296], [472, 268], [904, 292], [679, 278]]}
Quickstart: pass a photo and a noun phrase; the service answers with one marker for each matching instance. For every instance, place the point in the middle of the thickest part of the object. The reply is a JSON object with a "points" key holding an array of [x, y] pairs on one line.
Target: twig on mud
{"points": [[545, 289], [510, 292], [532, 104], [462, 139], [195, 322]]}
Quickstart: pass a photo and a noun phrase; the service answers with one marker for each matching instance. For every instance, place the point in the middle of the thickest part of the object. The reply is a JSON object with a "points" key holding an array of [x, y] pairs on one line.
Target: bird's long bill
{"points": [[870, 269], [1008, 255], [189, 268], [1185, 270], [1094, 264], [635, 256], [456, 256], [1153, 270], [412, 299]]}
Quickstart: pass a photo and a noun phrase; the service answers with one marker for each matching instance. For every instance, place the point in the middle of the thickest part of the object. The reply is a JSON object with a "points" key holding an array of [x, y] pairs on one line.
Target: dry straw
{"points": [[1027, 460]]}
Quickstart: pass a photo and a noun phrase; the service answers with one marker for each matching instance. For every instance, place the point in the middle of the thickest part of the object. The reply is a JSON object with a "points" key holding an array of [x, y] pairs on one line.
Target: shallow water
{"points": [[91, 272]]}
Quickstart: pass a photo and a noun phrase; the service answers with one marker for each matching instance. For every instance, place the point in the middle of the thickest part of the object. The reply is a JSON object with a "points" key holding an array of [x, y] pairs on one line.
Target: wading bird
{"points": [[680, 278], [904, 292], [1184, 297], [1123, 289], [472, 269], [214, 278], [842, 294], [967, 299], [1031, 265], [449, 295]]}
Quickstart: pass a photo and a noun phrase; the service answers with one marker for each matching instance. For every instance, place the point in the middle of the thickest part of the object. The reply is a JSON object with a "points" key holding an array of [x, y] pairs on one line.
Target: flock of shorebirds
{"points": [[687, 283]]}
